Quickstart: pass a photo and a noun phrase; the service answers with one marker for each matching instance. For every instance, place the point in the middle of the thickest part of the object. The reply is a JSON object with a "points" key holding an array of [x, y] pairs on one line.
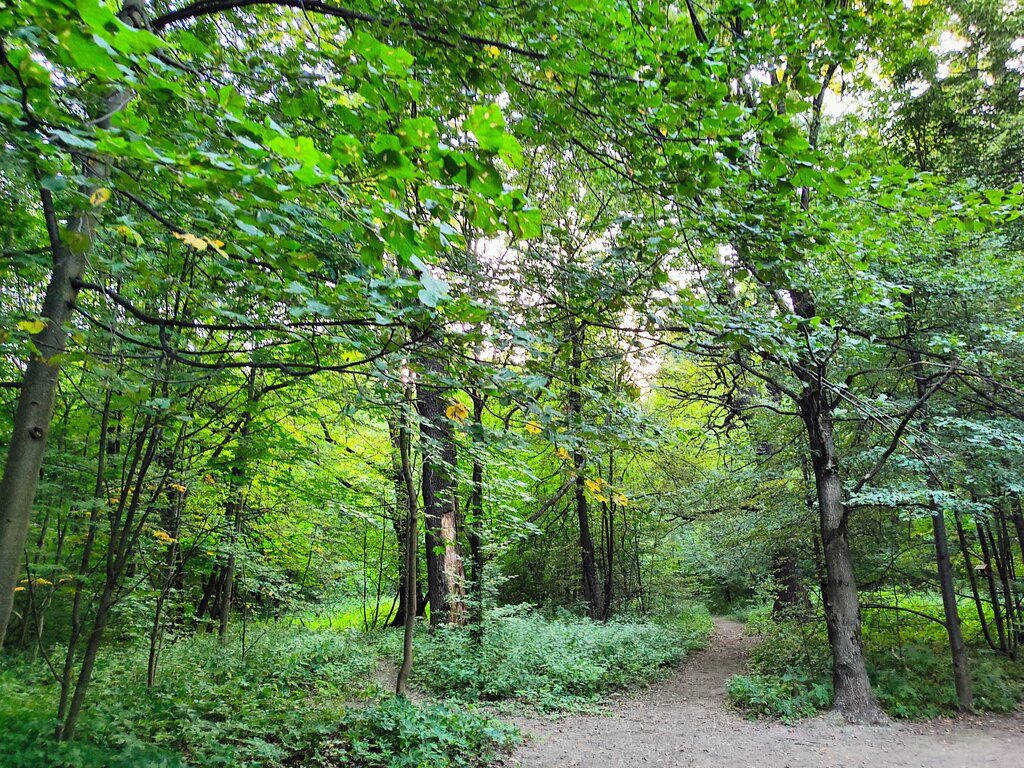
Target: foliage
{"points": [[554, 663], [211, 706], [789, 672], [397, 733]]}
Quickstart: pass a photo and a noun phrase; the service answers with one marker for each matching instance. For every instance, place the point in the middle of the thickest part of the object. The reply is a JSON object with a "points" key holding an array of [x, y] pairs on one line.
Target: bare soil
{"points": [[685, 722]]}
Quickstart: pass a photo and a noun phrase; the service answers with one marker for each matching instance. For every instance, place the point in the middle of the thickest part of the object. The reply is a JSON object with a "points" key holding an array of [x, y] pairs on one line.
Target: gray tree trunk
{"points": [[853, 697]]}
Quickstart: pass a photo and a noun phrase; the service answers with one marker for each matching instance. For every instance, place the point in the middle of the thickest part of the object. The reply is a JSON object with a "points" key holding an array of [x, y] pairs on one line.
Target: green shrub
{"points": [[555, 663], [789, 697], [399, 734], [211, 706], [908, 662]]}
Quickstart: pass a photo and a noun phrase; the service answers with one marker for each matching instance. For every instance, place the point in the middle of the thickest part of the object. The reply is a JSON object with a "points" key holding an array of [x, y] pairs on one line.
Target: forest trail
{"points": [[685, 722]]}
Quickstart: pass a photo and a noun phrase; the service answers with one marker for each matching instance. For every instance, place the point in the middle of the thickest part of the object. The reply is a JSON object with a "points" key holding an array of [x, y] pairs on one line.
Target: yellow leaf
{"points": [[533, 427], [493, 50], [208, 479], [178, 487], [595, 485], [32, 326], [620, 499], [99, 196], [599, 497], [164, 538], [549, 74], [196, 242], [663, 131], [130, 233], [19, 589], [563, 454], [456, 411], [217, 243]]}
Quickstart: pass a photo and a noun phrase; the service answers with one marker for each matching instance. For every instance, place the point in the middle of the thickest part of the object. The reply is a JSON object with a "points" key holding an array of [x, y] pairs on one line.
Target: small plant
{"points": [[399, 734]]}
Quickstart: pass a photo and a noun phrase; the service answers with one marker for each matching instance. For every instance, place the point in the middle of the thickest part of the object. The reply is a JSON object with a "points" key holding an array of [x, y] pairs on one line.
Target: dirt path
{"points": [[685, 723]]}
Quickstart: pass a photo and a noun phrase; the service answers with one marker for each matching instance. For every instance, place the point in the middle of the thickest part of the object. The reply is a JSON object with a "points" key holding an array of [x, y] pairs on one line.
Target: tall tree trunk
{"points": [[854, 699], [400, 517], [474, 531], [943, 564], [445, 574], [591, 595], [411, 545]]}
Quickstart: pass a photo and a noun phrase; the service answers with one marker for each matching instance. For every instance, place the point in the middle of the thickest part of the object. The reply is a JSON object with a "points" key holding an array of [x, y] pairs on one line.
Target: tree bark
{"points": [[854, 699], [591, 595], [943, 564], [474, 531], [445, 573], [411, 547]]}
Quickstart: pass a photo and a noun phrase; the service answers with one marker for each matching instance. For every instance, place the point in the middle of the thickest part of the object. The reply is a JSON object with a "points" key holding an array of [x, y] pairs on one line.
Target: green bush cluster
{"points": [[211, 706], [908, 662], [553, 663], [399, 734]]}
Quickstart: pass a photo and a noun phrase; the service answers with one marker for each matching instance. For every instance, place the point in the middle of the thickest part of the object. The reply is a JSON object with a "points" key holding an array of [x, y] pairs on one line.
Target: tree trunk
{"points": [[854, 699], [957, 647], [943, 564], [445, 574], [591, 595], [791, 597], [411, 547], [474, 531], [400, 518]]}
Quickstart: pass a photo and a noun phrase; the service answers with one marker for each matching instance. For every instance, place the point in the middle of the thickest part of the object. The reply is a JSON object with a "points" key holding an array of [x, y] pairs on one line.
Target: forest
{"points": [[382, 381]]}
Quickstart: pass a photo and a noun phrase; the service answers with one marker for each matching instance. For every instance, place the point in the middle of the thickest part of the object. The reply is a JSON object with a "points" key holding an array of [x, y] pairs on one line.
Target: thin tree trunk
{"points": [[972, 577], [400, 516], [993, 592], [591, 595], [943, 564], [475, 526], [411, 546]]}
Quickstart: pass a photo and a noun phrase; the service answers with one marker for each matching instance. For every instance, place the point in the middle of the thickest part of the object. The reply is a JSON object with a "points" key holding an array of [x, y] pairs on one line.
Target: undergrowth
{"points": [[399, 734], [553, 664], [297, 696], [211, 706], [789, 673]]}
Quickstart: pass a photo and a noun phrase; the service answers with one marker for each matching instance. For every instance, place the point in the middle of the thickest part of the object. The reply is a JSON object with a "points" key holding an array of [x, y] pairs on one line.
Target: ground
{"points": [[685, 722]]}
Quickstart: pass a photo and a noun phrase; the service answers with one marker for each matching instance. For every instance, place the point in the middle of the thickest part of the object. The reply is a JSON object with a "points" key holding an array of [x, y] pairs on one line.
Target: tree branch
{"points": [[904, 423]]}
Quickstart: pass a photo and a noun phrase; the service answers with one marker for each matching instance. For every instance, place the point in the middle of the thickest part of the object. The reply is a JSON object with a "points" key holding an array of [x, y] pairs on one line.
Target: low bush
{"points": [[553, 663], [399, 734], [908, 662], [211, 705]]}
